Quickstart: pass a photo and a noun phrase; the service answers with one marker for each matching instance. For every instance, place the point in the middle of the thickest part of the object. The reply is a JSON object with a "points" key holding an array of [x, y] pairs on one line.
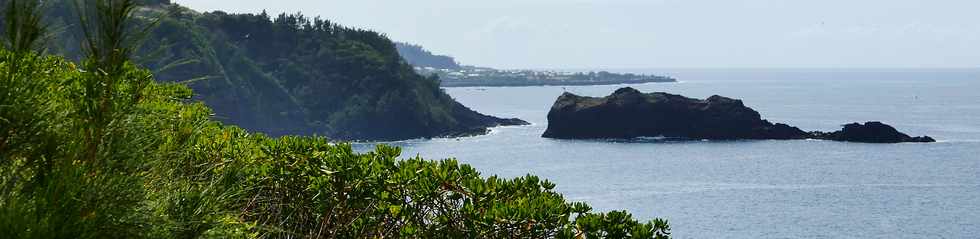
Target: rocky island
{"points": [[629, 113]]}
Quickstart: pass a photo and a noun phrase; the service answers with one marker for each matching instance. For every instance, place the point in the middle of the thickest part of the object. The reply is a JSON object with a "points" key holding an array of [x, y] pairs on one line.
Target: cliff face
{"points": [[628, 113]]}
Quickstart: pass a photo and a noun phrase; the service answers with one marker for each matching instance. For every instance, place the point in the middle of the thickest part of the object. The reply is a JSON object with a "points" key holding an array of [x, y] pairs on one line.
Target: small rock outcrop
{"points": [[871, 132], [629, 113]]}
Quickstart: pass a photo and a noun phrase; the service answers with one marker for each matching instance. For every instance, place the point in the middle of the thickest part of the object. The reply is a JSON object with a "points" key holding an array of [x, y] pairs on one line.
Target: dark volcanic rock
{"points": [[477, 123], [628, 113], [871, 132]]}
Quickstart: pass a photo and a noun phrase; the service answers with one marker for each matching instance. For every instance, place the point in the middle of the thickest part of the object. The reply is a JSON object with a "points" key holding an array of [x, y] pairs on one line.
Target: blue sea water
{"points": [[760, 189]]}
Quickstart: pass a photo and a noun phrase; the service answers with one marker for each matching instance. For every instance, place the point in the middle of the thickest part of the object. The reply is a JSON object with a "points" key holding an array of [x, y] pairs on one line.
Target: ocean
{"points": [[759, 188]]}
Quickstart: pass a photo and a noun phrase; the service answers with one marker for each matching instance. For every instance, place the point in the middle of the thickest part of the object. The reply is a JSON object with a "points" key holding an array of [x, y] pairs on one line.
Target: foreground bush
{"points": [[99, 150]]}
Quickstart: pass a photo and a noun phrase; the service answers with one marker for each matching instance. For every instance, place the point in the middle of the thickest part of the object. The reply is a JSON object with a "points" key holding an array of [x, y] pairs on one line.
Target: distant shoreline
{"points": [[494, 83]]}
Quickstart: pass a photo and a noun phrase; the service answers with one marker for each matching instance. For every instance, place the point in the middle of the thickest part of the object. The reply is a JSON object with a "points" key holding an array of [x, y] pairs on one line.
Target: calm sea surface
{"points": [[760, 189]]}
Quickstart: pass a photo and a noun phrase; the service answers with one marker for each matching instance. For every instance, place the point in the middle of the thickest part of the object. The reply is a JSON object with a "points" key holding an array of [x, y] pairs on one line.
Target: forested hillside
{"points": [[290, 74]]}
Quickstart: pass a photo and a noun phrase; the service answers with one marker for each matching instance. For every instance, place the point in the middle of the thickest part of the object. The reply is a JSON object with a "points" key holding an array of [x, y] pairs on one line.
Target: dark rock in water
{"points": [[871, 132], [628, 113], [472, 124]]}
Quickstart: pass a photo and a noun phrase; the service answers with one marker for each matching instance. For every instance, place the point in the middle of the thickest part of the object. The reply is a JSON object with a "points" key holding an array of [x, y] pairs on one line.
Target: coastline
{"points": [[477, 83]]}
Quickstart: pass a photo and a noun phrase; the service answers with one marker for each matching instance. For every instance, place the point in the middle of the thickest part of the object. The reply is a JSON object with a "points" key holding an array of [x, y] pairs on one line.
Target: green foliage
{"points": [[102, 151], [50, 189], [618, 224], [22, 112], [22, 28], [330, 191]]}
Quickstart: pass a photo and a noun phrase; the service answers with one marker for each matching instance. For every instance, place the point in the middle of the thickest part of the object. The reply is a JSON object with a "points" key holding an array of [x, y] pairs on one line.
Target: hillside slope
{"points": [[293, 75]]}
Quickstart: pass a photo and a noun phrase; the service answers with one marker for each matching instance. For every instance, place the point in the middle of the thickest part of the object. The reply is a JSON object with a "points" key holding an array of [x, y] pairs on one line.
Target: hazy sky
{"points": [[663, 33]]}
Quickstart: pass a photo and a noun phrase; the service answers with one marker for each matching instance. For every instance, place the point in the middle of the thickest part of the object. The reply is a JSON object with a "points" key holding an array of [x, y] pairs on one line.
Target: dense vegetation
{"points": [[288, 74], [100, 150]]}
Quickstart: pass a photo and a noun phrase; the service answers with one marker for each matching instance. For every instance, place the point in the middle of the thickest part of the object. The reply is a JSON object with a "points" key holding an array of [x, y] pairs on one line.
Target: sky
{"points": [[525, 34]]}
